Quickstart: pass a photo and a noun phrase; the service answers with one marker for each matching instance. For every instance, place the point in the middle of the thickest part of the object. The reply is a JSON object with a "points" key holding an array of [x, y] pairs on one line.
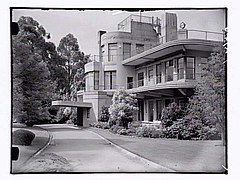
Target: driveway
{"points": [[80, 150]]}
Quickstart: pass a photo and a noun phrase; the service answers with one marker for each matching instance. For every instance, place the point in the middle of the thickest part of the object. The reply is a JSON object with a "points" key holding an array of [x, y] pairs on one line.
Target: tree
{"points": [[122, 108], [74, 60], [32, 88], [208, 103]]}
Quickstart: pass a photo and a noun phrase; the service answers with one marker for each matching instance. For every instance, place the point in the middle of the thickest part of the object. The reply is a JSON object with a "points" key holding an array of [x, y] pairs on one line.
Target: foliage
{"points": [[208, 103], [22, 137], [116, 128], [122, 108], [32, 87], [74, 61], [104, 114], [170, 114], [149, 131], [101, 125]]}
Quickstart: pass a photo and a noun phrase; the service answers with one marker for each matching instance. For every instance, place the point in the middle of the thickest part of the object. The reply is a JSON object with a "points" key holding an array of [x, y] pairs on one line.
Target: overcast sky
{"points": [[84, 25]]}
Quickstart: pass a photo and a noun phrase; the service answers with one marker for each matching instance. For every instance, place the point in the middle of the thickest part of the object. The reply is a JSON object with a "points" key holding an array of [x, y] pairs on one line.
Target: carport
{"points": [[82, 108]]}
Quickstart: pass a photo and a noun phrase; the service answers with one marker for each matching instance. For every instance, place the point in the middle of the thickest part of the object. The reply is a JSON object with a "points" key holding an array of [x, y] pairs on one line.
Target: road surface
{"points": [[80, 150]]}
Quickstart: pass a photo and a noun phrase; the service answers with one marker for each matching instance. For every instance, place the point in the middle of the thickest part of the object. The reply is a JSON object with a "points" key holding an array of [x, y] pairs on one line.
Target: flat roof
{"points": [[71, 104]]}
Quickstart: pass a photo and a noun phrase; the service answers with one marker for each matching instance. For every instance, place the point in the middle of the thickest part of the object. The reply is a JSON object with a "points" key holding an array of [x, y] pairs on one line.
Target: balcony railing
{"points": [[154, 80]]}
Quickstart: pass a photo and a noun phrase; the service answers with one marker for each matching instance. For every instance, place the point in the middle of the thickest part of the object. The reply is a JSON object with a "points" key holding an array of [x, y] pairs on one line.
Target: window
{"points": [[150, 76], [92, 81], [169, 70], [110, 80], [139, 48], [140, 79], [129, 82], [203, 64], [96, 80], [180, 68], [190, 71], [159, 73], [112, 52], [126, 50]]}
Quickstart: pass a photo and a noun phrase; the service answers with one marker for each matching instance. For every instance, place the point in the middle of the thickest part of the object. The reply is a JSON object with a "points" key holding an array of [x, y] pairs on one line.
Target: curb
{"points": [[50, 137], [133, 155]]}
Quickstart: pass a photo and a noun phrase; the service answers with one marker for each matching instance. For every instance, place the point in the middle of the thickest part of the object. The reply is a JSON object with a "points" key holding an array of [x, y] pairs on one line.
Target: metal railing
{"points": [[123, 25]]}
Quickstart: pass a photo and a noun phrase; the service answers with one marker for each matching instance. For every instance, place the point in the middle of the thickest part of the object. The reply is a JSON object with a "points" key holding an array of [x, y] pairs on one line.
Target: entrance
{"points": [[80, 116], [150, 110]]}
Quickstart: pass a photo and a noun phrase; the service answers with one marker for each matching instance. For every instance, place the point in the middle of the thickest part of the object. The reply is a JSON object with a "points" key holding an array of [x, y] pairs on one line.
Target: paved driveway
{"points": [[80, 150]]}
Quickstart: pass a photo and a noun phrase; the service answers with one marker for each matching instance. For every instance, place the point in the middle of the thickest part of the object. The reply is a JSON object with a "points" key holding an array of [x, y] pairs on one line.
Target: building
{"points": [[148, 56]]}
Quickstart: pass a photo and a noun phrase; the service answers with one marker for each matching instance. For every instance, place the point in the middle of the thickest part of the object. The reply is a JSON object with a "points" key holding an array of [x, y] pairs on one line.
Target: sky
{"points": [[84, 25]]}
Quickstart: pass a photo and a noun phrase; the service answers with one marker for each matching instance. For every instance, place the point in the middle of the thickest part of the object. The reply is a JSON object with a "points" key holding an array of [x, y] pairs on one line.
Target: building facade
{"points": [[150, 57]]}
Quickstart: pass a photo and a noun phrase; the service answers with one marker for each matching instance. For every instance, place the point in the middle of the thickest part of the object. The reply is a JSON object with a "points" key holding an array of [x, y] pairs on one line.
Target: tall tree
{"points": [[74, 60], [208, 103], [32, 88]]}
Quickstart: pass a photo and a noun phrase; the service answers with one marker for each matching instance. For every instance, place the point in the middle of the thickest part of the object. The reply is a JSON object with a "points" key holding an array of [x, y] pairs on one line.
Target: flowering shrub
{"points": [[122, 108]]}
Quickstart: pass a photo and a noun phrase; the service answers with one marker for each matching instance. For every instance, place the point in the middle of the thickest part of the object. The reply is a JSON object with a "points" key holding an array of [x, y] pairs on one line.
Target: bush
{"points": [[149, 131], [104, 114], [23, 137], [102, 125], [29, 123], [116, 128], [171, 113], [122, 108]]}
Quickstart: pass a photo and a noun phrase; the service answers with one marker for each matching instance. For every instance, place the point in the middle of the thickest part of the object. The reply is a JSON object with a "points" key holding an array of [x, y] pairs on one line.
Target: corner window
{"points": [[92, 81], [112, 52], [126, 50]]}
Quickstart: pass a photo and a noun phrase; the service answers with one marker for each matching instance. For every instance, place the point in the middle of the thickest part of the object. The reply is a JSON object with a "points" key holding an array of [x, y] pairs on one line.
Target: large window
{"points": [[112, 52], [126, 50], [169, 70], [180, 68], [140, 79], [139, 48], [159, 73], [190, 71], [110, 80], [92, 81]]}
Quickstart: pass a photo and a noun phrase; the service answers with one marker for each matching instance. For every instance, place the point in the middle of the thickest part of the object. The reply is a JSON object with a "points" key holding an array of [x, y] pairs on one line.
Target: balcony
{"points": [[164, 82]]}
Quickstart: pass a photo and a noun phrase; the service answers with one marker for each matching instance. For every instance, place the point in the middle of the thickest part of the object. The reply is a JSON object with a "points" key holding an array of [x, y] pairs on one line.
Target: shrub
{"points": [[116, 128], [122, 108], [171, 113], [102, 125], [23, 137], [149, 131], [104, 114]]}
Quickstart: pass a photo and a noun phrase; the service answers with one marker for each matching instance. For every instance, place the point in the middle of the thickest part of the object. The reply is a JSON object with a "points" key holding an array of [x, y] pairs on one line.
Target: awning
{"points": [[71, 104], [169, 48]]}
